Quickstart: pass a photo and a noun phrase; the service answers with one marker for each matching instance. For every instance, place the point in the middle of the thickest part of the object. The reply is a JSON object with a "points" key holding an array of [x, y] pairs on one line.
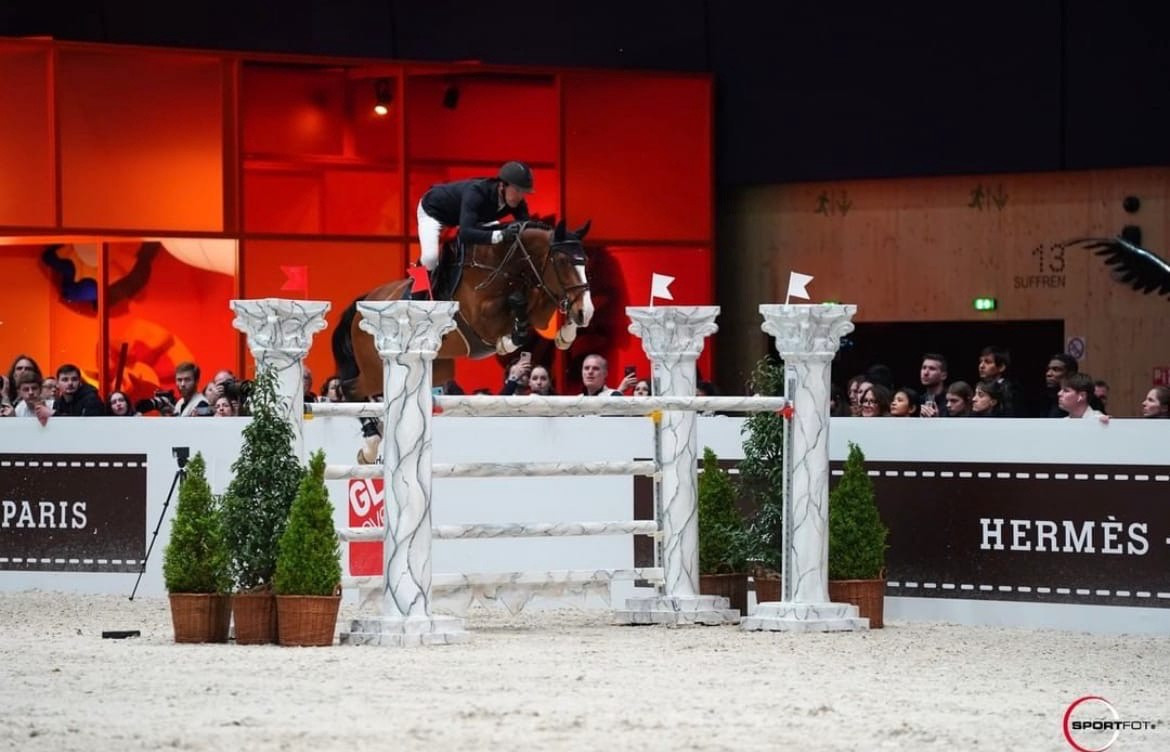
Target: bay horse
{"points": [[536, 271]]}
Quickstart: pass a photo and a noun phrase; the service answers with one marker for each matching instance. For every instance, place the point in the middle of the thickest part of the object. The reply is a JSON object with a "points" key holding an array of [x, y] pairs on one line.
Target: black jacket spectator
{"points": [[85, 402]]}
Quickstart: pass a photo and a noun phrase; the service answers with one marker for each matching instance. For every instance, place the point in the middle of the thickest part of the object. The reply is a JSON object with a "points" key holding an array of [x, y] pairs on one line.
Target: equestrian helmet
{"points": [[517, 174]]}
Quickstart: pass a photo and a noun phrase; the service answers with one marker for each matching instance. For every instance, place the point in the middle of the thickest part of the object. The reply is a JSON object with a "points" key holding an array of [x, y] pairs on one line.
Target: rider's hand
{"points": [[497, 237]]}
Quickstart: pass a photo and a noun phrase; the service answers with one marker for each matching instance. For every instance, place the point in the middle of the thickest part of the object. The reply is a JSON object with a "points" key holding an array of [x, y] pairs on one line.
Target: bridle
{"points": [[570, 247]]}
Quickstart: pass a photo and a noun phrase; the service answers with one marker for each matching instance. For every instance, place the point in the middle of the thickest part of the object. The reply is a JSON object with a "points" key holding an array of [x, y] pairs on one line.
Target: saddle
{"points": [[447, 273]]}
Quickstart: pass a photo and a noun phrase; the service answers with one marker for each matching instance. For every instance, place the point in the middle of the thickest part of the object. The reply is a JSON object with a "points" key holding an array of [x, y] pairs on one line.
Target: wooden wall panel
{"points": [[921, 250]]}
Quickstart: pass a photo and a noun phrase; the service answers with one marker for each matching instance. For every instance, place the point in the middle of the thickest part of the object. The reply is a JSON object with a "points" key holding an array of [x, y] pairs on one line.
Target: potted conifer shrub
{"points": [[747, 547], [857, 542], [308, 567], [195, 562], [256, 505]]}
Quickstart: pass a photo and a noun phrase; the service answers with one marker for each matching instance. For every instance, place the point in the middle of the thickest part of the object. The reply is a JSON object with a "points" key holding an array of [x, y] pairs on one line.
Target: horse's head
{"points": [[558, 257], [568, 264]]}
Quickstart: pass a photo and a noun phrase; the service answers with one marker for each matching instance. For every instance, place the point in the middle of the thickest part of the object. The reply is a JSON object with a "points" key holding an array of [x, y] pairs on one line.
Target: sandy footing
{"points": [[561, 679]]}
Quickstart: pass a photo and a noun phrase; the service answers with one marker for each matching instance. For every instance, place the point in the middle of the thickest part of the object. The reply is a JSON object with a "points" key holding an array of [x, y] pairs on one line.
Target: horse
{"points": [[535, 271]]}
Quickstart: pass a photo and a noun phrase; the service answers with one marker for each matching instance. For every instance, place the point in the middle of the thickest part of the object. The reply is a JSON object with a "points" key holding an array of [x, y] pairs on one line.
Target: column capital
{"points": [[671, 334], [408, 326], [807, 332], [279, 331]]}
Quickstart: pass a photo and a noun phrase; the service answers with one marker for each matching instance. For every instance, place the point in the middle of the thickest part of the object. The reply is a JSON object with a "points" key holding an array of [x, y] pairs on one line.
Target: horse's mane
{"points": [[536, 224]]}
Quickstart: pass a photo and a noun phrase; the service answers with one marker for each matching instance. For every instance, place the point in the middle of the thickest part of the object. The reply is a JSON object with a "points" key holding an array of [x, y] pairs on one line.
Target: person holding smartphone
{"points": [[518, 375]]}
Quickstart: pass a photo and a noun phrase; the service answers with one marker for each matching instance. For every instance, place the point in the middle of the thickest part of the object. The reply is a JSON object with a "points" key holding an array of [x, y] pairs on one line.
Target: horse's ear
{"points": [[581, 232], [559, 232]]}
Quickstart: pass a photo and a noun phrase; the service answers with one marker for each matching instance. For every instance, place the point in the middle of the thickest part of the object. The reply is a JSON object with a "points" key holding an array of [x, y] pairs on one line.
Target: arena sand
{"points": [[563, 679]]}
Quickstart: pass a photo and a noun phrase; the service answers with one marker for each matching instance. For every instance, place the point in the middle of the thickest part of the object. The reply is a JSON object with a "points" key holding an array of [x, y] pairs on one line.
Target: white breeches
{"points": [[428, 238]]}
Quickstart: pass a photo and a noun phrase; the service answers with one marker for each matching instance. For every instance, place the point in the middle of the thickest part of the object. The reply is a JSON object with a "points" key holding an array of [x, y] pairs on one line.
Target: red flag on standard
{"points": [[296, 279], [421, 280]]}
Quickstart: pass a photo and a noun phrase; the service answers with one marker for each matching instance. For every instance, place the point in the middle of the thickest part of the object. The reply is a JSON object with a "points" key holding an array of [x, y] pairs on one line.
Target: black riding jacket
{"points": [[467, 204]]}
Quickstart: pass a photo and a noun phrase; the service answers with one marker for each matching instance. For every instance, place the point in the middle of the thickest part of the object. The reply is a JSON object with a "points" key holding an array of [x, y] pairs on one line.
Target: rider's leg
{"points": [[428, 239]]}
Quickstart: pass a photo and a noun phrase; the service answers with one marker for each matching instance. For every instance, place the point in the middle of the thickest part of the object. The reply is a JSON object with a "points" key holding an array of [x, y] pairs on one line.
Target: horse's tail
{"points": [[343, 356]]}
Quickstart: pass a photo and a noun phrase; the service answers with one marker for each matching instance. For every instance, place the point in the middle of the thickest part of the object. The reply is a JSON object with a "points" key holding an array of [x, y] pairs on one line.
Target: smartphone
{"points": [[631, 370], [525, 356]]}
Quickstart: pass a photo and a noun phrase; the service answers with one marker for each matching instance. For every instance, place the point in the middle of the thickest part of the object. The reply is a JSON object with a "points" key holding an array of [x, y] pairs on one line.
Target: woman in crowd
{"points": [[904, 404], [959, 396], [875, 401], [539, 382], [120, 404], [642, 389], [988, 400], [224, 407], [1157, 403], [331, 390]]}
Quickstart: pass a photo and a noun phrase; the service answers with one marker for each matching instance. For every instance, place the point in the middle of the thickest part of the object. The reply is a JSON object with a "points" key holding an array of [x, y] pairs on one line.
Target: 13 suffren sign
{"points": [[72, 512]]}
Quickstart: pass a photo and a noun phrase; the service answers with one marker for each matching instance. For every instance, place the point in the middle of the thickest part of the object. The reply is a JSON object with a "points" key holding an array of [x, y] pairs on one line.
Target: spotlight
{"points": [[451, 97], [383, 96]]}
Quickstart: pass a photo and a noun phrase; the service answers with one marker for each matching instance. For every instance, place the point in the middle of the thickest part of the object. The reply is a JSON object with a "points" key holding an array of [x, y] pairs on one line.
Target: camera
{"points": [[181, 455], [163, 401]]}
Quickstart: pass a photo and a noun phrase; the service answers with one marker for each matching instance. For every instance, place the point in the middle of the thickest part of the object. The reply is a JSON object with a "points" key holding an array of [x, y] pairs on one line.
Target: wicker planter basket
{"points": [[733, 587], [255, 617], [200, 617], [307, 620], [868, 595]]}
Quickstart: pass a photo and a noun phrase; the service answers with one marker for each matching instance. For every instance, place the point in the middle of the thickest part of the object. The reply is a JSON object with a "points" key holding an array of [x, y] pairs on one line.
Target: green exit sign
{"points": [[983, 304]]}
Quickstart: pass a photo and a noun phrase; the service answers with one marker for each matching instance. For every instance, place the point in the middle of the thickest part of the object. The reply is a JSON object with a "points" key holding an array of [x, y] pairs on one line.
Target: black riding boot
{"points": [[518, 305]]}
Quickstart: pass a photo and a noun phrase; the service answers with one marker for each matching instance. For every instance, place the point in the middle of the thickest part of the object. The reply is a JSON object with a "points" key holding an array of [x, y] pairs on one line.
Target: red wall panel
{"points": [[141, 140], [638, 155], [27, 196]]}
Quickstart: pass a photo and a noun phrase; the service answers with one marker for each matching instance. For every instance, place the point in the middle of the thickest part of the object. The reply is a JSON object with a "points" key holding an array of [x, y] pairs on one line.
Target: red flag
{"points": [[296, 279], [421, 280]]}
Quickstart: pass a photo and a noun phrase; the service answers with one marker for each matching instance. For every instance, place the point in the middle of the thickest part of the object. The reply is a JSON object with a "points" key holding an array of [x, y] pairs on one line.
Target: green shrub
{"points": [[719, 519], [264, 483], [196, 558], [309, 561], [857, 537], [761, 474]]}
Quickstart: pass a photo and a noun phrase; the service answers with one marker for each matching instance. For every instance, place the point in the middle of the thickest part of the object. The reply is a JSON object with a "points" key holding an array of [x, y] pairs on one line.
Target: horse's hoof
{"points": [[562, 342], [505, 346]]}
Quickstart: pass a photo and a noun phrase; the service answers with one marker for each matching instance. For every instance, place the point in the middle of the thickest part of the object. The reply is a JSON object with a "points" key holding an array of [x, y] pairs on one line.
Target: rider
{"points": [[467, 204]]}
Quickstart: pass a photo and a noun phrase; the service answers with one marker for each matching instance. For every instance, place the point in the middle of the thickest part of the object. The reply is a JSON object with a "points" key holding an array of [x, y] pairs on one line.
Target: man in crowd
{"points": [[75, 397], [191, 400], [594, 371], [1074, 395], [933, 375], [1060, 367]]}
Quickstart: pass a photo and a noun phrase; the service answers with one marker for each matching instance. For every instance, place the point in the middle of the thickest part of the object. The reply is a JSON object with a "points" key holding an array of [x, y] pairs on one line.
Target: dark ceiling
{"points": [[804, 91]]}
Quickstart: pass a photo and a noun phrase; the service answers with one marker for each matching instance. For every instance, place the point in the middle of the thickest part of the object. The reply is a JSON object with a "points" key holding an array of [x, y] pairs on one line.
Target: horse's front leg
{"points": [[565, 335]]}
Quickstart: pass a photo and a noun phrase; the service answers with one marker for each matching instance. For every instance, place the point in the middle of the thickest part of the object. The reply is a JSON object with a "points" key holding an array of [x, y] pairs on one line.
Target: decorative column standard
{"points": [[279, 333], [407, 335], [807, 337], [672, 338]]}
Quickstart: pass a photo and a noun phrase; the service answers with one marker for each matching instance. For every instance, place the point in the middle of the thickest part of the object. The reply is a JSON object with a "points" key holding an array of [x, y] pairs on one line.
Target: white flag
{"points": [[797, 285], [660, 287]]}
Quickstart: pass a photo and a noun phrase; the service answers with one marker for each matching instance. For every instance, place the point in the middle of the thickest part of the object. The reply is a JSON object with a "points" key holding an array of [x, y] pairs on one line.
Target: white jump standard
{"points": [[407, 335]]}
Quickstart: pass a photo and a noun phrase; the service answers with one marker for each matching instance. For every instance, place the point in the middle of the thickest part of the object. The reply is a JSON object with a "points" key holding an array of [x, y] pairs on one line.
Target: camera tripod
{"points": [[181, 454]]}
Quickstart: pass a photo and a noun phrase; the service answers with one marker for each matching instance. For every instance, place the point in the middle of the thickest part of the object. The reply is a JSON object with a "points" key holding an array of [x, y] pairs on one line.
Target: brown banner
{"points": [[72, 512], [1090, 534]]}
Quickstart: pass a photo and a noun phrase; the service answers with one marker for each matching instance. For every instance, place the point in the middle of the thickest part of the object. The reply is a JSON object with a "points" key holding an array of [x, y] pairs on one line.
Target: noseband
{"points": [[571, 248]]}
